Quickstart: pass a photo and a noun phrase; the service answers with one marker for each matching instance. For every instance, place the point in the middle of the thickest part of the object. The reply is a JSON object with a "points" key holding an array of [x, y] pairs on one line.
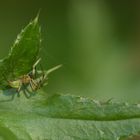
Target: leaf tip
{"points": [[37, 16]]}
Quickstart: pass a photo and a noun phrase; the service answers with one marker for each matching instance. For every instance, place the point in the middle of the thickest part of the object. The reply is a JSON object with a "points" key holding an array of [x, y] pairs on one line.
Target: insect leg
{"points": [[25, 93], [32, 85], [43, 77], [39, 83], [12, 98], [18, 91], [34, 68], [53, 69]]}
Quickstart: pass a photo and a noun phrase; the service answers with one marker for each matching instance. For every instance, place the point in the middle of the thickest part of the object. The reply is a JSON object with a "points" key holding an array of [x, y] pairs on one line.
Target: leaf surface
{"points": [[69, 118]]}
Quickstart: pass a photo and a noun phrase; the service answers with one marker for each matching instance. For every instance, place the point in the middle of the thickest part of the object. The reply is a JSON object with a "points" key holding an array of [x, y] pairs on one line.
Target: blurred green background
{"points": [[98, 43]]}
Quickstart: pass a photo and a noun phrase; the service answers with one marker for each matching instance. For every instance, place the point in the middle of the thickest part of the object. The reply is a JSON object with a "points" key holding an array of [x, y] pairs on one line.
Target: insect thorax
{"points": [[25, 79]]}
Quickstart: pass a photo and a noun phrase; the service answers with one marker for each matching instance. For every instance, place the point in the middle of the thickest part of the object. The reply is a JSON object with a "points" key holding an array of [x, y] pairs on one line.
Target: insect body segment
{"points": [[15, 84]]}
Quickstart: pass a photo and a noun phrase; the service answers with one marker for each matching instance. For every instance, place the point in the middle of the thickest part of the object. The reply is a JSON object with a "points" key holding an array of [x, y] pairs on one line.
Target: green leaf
{"points": [[66, 117], [60, 117], [23, 54]]}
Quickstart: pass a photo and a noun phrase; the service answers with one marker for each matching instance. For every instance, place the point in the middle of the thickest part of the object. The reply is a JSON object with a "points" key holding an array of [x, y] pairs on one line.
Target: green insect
{"points": [[34, 79]]}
